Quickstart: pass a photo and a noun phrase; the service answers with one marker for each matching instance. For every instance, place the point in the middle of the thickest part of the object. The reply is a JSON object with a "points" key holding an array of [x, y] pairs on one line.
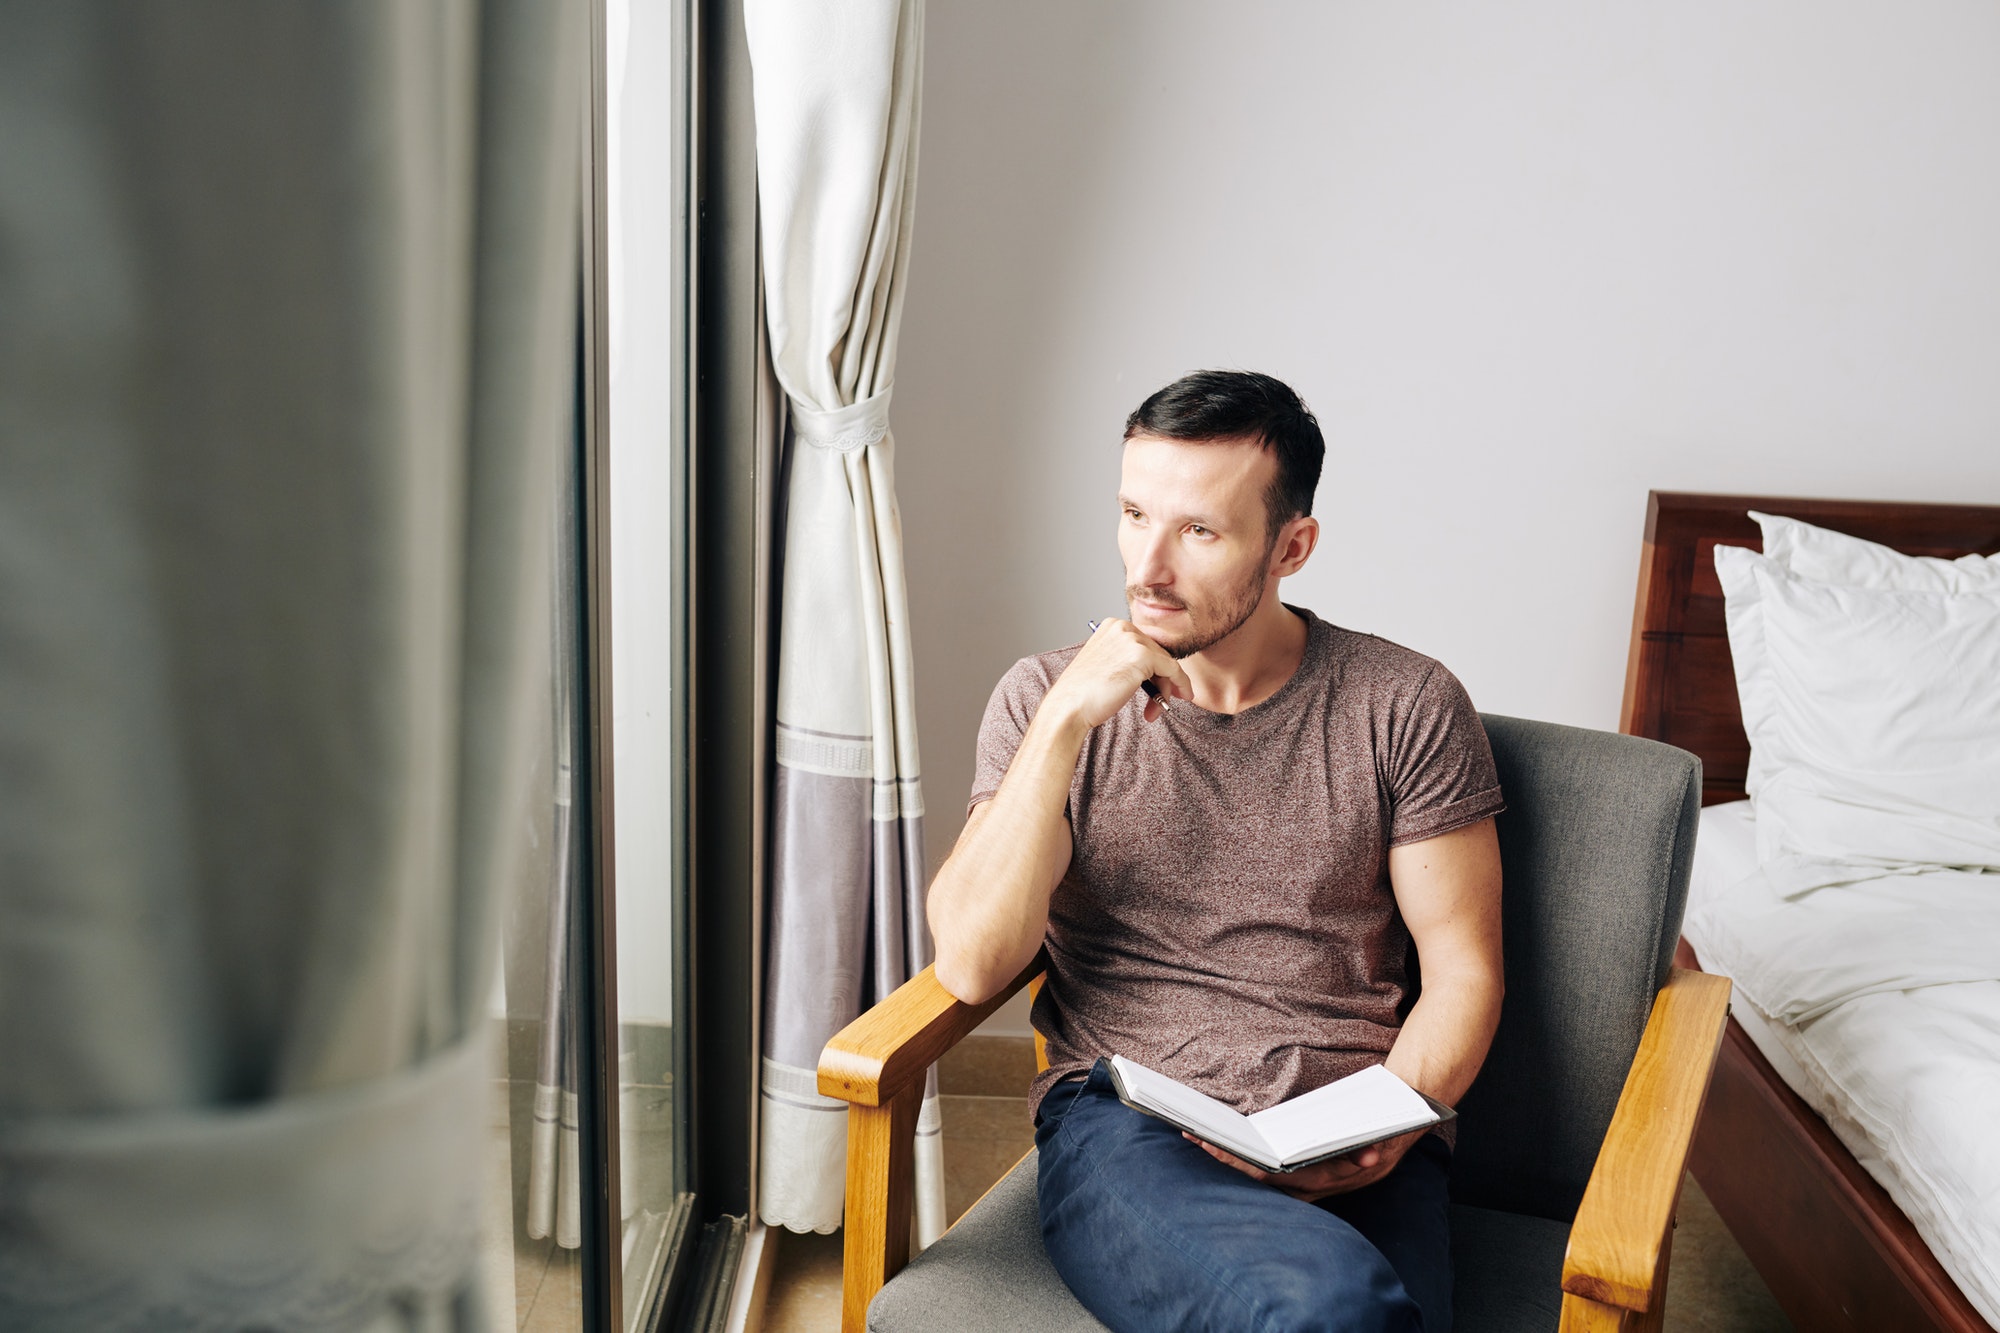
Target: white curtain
{"points": [[287, 304], [555, 1148], [836, 89]]}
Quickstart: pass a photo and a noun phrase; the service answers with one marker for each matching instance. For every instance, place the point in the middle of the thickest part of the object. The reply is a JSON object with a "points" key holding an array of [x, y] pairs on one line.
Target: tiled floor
{"points": [[1712, 1287], [805, 1291], [557, 1303], [535, 1286]]}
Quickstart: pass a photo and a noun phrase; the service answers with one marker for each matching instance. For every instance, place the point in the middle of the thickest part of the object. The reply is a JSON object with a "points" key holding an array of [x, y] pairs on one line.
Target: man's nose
{"points": [[1154, 566]]}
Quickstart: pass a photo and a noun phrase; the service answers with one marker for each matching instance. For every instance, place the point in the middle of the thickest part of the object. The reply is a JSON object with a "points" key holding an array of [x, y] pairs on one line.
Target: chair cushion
{"points": [[1506, 1271], [989, 1272]]}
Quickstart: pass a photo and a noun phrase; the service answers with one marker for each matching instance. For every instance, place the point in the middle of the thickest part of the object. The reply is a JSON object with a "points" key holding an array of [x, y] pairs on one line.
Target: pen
{"points": [[1147, 684]]}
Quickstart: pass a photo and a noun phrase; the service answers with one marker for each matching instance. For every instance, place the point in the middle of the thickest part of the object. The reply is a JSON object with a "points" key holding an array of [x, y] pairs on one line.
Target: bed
{"points": [[1826, 1235]]}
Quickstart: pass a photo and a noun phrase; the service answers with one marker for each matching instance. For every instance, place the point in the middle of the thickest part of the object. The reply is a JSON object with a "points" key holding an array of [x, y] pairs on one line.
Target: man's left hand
{"points": [[1337, 1175]]}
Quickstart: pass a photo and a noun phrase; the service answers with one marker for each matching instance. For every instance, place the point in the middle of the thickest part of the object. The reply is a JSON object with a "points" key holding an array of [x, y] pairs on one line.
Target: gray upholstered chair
{"points": [[1570, 1146]]}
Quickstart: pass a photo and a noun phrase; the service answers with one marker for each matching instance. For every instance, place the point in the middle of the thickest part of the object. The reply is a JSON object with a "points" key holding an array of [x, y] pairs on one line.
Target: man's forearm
{"points": [[1445, 1039], [989, 905]]}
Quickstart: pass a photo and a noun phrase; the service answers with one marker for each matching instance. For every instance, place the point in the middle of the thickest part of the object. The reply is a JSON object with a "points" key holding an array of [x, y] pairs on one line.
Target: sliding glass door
{"points": [[596, 1223], [641, 508]]}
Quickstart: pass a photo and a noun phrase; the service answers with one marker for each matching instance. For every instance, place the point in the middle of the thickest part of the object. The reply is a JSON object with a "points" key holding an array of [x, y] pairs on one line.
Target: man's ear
{"points": [[1294, 546]]}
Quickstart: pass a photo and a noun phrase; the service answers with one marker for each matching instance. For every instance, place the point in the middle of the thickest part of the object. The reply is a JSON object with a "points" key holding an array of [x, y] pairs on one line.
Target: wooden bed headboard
{"points": [[1679, 684]]}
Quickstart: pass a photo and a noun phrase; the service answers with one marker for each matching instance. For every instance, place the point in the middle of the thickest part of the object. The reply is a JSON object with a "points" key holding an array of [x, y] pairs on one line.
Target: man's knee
{"points": [[1346, 1294]]}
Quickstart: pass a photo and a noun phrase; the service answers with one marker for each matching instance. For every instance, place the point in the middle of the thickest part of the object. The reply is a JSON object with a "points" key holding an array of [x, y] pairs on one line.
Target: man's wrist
{"points": [[1059, 725]]}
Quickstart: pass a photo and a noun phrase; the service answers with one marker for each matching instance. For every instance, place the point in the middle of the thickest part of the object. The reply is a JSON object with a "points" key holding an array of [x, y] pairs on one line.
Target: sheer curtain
{"points": [[555, 1167], [286, 348], [836, 89]]}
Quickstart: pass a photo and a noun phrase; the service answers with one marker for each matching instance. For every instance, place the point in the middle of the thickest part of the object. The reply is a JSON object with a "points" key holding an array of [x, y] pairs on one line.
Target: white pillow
{"points": [[1826, 556], [1874, 723]]}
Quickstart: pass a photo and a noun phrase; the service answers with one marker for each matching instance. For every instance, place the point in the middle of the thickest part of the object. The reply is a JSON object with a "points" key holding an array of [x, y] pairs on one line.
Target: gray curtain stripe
{"points": [[830, 735], [816, 932]]}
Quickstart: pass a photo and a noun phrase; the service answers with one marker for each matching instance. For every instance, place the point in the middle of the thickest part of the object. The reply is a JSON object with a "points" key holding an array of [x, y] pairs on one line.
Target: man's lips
{"points": [[1154, 608]]}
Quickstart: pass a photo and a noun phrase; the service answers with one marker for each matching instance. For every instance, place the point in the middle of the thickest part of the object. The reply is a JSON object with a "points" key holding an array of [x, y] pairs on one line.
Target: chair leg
{"points": [[1041, 1042], [881, 1143]]}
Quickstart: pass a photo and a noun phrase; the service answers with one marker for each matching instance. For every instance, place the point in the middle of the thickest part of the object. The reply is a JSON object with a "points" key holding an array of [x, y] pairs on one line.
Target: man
{"points": [[1229, 876]]}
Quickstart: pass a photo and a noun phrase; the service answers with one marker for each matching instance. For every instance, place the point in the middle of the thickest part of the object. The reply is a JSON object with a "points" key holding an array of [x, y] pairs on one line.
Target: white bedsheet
{"points": [[1879, 1003]]}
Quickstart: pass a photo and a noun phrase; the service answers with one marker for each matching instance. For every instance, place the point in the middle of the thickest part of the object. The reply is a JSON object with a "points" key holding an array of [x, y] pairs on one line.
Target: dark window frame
{"points": [[724, 476]]}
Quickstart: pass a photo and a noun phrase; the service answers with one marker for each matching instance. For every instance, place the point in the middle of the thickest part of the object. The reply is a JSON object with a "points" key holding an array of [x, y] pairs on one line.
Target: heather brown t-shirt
{"points": [[1227, 917]]}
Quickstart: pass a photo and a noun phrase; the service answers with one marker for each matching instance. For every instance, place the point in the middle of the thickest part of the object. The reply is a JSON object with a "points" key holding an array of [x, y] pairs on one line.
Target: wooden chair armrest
{"points": [[876, 1065], [888, 1048], [1619, 1243]]}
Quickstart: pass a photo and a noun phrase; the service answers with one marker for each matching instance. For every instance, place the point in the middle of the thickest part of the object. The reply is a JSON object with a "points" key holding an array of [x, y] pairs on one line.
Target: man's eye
{"points": [[1198, 530]]}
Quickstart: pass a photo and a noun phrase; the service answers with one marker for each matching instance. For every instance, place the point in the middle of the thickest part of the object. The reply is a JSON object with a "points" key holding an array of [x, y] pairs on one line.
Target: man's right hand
{"points": [[989, 905], [1114, 663]]}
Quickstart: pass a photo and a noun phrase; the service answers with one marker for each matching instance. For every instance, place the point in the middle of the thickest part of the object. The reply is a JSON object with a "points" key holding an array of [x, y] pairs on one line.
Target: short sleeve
{"points": [[1441, 773], [1008, 712]]}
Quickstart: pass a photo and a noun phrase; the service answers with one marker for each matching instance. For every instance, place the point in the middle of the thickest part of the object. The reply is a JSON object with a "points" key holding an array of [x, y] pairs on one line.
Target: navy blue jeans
{"points": [[1153, 1234]]}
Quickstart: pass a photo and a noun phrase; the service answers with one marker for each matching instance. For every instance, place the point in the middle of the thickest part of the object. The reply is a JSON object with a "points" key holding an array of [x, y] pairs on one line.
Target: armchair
{"points": [[1571, 1145]]}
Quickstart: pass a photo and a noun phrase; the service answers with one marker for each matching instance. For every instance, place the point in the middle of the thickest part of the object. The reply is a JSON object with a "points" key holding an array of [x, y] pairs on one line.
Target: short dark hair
{"points": [[1243, 405]]}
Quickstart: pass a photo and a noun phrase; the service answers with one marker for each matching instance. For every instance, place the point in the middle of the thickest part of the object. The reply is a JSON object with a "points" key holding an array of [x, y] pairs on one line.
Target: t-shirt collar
{"points": [[1189, 714]]}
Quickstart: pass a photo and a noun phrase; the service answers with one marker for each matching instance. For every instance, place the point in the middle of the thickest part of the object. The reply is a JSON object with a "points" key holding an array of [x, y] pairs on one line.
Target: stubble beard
{"points": [[1210, 625]]}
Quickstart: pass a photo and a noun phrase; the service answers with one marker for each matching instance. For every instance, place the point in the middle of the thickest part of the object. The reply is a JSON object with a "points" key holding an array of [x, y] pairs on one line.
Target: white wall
{"points": [[1525, 261]]}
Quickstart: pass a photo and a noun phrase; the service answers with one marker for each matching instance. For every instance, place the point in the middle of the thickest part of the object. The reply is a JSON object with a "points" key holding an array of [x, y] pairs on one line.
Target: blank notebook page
{"points": [[1358, 1106], [1221, 1123]]}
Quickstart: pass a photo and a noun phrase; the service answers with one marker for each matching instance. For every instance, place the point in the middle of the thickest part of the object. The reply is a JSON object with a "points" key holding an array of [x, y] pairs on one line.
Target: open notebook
{"points": [[1330, 1121]]}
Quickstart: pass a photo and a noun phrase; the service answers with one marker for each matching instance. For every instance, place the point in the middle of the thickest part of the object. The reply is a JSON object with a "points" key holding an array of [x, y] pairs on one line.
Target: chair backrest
{"points": [[1596, 845]]}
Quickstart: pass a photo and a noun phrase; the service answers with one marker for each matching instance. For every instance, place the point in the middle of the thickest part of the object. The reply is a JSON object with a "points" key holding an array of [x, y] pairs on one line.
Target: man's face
{"points": [[1195, 534]]}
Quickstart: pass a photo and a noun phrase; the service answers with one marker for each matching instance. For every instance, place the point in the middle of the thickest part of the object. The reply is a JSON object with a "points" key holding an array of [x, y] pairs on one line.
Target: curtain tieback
{"points": [[310, 1212], [844, 429]]}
